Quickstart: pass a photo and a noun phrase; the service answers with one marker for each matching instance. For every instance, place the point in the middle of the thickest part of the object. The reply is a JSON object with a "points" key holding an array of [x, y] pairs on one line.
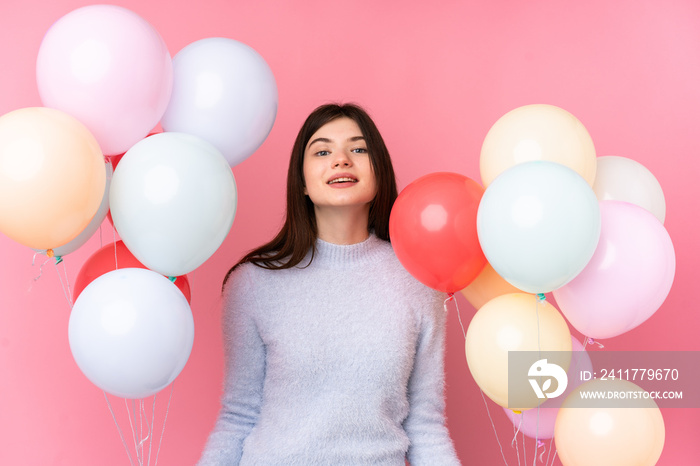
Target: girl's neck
{"points": [[342, 225]]}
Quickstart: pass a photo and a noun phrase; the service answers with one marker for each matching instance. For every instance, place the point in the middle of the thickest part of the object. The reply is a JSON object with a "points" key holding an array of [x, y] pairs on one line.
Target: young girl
{"points": [[334, 353]]}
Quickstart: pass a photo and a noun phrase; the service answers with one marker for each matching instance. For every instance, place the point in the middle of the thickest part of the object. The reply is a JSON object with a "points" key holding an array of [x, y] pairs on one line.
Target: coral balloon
{"points": [[173, 200], [433, 230], [111, 257], [486, 286], [52, 177], [511, 322], [538, 224], [131, 332], [537, 132], [628, 277], [225, 93], [587, 434], [109, 68], [623, 179], [539, 422]]}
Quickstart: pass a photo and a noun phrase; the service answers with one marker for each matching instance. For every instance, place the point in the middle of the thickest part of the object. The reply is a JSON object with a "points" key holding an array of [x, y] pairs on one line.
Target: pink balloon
{"points": [[628, 277], [110, 69], [539, 423]]}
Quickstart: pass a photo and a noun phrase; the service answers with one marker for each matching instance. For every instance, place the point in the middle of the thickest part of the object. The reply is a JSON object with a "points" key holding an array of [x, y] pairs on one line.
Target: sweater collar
{"points": [[330, 254]]}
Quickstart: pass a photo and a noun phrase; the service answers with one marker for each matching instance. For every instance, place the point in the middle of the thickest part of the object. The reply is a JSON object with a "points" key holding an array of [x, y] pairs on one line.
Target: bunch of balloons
{"points": [[106, 80], [551, 217]]}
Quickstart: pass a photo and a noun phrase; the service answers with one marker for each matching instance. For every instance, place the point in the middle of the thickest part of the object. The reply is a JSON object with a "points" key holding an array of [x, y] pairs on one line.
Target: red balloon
{"points": [[103, 261], [433, 230]]}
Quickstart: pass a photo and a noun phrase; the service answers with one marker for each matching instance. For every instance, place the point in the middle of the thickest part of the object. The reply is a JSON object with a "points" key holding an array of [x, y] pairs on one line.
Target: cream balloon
{"points": [[586, 432], [511, 322], [623, 179], [52, 177], [537, 132], [92, 227]]}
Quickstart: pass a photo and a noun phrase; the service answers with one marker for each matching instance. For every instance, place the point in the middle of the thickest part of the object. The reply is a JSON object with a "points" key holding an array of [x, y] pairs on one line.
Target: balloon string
{"points": [[540, 443], [554, 457], [172, 387], [41, 271], [65, 274], [133, 433], [109, 405], [451, 297], [65, 294], [143, 439], [150, 432], [549, 450], [516, 432], [493, 426], [514, 442], [524, 449]]}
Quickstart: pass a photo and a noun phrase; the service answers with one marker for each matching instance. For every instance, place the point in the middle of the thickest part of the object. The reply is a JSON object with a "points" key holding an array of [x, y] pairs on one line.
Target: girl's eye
{"points": [[323, 152], [360, 150]]}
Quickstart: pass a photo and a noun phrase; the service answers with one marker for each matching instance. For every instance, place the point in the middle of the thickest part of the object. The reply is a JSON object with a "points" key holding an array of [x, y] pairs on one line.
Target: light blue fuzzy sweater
{"points": [[338, 363]]}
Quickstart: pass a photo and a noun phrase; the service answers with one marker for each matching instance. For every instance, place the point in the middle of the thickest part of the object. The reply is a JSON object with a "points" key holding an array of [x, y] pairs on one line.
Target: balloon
{"points": [[225, 93], [628, 277], [539, 422], [607, 436], [538, 225], [173, 200], [623, 179], [537, 132], [111, 257], [131, 332], [486, 286], [511, 322], [94, 224], [433, 230], [109, 68], [115, 159], [52, 177]]}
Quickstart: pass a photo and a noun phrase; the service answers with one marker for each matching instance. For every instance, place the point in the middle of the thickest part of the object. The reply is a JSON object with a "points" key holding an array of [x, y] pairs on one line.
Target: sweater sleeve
{"points": [[425, 425], [244, 373]]}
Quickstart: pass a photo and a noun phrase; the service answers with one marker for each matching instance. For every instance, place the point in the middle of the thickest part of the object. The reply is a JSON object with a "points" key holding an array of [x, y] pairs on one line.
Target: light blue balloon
{"points": [[538, 225]]}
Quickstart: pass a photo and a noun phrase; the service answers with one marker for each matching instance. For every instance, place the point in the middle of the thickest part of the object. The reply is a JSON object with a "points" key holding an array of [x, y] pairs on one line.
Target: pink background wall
{"points": [[435, 76]]}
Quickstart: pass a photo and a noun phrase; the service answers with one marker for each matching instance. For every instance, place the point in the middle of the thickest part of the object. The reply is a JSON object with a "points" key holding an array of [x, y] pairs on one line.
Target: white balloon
{"points": [[131, 332], [623, 179], [94, 224], [225, 93], [173, 200], [538, 225]]}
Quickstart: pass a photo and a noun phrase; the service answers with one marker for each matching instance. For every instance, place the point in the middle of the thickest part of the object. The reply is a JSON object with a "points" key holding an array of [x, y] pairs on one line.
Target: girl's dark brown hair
{"points": [[299, 233]]}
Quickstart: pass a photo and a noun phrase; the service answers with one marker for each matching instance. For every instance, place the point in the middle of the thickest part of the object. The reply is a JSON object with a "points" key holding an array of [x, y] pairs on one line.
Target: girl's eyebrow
{"points": [[328, 141]]}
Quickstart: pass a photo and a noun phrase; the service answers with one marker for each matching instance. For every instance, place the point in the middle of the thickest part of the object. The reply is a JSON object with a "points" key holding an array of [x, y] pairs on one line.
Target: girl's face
{"points": [[337, 169]]}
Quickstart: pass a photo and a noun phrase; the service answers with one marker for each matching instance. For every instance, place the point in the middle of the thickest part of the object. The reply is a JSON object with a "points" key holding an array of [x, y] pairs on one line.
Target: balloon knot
{"points": [[172, 279], [541, 297], [59, 259], [49, 252], [517, 411], [591, 341]]}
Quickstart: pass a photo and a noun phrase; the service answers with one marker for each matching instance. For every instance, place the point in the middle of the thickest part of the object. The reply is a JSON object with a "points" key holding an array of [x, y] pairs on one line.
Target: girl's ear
{"points": [[306, 191]]}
